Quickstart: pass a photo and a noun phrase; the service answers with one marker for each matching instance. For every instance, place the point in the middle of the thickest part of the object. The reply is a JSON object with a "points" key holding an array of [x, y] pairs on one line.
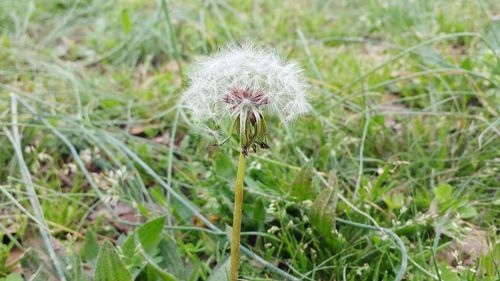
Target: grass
{"points": [[393, 175]]}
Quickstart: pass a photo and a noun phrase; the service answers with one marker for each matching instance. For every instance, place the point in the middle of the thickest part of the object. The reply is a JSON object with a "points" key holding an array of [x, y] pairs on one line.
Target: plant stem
{"points": [[238, 204]]}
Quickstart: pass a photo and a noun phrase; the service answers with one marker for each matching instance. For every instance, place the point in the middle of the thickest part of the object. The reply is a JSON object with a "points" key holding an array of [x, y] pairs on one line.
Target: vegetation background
{"points": [[396, 171]]}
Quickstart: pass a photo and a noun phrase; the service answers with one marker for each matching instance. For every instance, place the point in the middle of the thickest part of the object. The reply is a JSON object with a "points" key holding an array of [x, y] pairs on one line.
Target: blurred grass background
{"points": [[404, 135]]}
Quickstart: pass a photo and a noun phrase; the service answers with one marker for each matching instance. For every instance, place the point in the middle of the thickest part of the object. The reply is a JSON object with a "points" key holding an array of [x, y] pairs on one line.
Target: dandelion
{"points": [[245, 85]]}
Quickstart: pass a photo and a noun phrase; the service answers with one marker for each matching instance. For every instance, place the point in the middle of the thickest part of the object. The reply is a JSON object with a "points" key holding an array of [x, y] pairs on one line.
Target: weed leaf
{"points": [[221, 272], [171, 260], [301, 187], [90, 246], [149, 236], [322, 215], [109, 265]]}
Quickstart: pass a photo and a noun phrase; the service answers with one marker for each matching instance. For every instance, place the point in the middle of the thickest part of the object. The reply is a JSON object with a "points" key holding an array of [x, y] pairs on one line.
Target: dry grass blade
{"points": [[15, 139]]}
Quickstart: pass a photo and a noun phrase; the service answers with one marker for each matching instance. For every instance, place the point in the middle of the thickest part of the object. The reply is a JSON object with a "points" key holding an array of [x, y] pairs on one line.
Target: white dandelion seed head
{"points": [[243, 79]]}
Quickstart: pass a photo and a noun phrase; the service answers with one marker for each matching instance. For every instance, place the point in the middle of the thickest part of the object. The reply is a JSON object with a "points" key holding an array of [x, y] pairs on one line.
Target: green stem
{"points": [[238, 204]]}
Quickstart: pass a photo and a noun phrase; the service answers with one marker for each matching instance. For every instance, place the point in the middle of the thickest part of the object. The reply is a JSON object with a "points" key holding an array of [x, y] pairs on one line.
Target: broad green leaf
{"points": [[447, 274], [301, 187], [14, 277], [322, 216], [90, 246], [76, 271], [143, 210], [259, 213], [432, 57], [149, 236], [443, 193], [210, 245], [109, 266], [223, 166], [151, 269], [377, 186], [221, 272], [156, 273], [467, 64], [467, 212], [394, 200], [171, 259], [493, 35], [157, 194], [31, 261], [489, 263], [127, 26]]}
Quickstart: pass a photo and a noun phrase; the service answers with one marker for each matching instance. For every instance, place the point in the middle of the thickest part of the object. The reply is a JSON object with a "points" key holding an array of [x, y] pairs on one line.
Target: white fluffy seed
{"points": [[259, 71]]}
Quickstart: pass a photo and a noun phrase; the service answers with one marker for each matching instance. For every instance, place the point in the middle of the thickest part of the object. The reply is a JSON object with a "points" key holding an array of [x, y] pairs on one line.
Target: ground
{"points": [[394, 174]]}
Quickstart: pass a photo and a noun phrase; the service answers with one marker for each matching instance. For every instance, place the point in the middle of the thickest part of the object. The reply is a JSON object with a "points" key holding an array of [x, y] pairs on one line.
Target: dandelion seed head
{"points": [[243, 79]]}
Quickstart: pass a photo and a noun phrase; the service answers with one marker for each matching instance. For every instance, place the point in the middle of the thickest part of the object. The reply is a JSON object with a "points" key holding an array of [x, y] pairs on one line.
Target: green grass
{"points": [[399, 160]]}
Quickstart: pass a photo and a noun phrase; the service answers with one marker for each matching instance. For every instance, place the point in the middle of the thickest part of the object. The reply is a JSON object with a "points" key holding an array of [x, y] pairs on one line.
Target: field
{"points": [[393, 175]]}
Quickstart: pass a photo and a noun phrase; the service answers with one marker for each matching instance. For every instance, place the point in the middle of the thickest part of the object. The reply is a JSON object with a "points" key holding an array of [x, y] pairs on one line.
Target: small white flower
{"points": [[70, 168], [121, 173], [305, 218], [380, 170], [384, 237], [212, 203], [314, 253], [273, 229], [244, 79], [309, 231], [360, 270], [86, 155], [403, 209], [44, 157], [307, 203], [272, 208], [29, 149]]}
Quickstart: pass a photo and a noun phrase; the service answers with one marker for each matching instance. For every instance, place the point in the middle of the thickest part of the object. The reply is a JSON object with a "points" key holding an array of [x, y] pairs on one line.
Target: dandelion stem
{"points": [[238, 204]]}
